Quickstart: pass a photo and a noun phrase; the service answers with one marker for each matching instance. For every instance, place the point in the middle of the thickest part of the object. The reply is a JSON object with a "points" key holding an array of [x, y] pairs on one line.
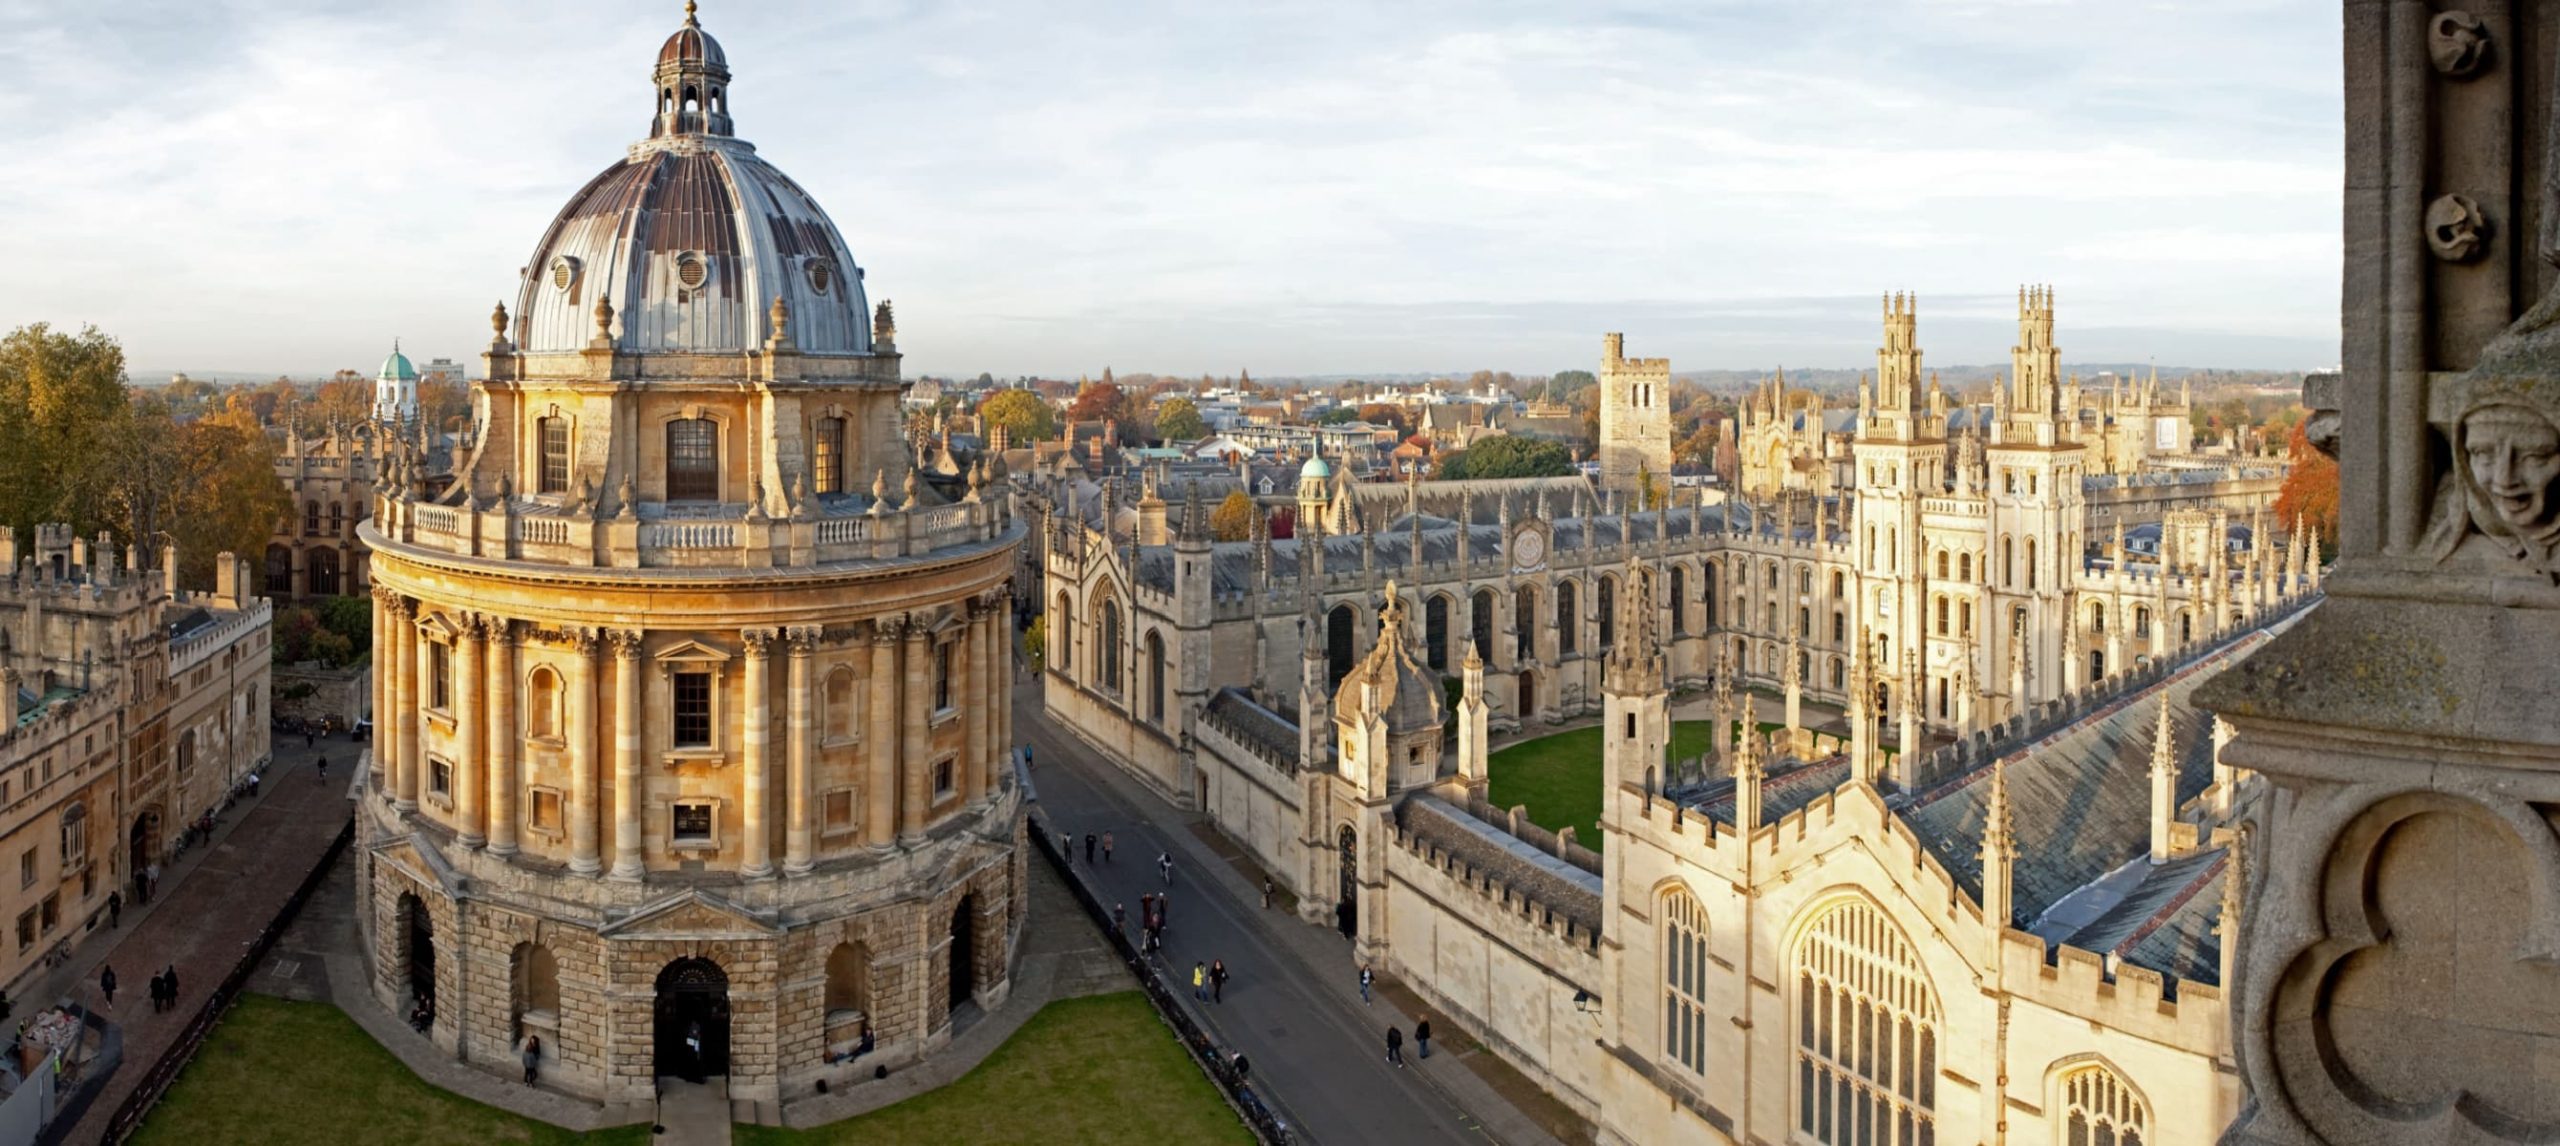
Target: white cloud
{"points": [[1310, 187]]}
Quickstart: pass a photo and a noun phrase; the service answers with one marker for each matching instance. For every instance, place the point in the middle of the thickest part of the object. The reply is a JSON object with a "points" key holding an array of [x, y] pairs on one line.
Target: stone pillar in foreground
{"points": [[2395, 974]]}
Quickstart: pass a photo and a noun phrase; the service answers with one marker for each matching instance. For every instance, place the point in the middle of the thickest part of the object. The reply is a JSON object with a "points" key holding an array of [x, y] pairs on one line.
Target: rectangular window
{"points": [[544, 812], [27, 929], [27, 868], [692, 823], [440, 778], [439, 675], [941, 778], [942, 676], [839, 810], [693, 460], [555, 455], [693, 710], [52, 913], [826, 455]]}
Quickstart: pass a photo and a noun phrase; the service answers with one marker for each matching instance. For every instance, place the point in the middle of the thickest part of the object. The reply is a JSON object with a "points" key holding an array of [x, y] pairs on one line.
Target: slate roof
{"points": [[1268, 734], [2079, 797], [1780, 792], [2165, 919]]}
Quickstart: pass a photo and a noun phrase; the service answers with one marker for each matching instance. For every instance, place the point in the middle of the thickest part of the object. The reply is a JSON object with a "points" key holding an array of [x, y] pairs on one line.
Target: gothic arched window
{"points": [[2101, 1109], [1566, 629], [1608, 611], [1063, 619], [1685, 1026], [1866, 1032], [1155, 677], [1108, 635], [1679, 598]]}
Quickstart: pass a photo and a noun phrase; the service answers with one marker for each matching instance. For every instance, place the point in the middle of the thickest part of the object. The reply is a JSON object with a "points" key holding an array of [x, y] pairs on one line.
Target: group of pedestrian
{"points": [[1209, 981], [1152, 912], [1090, 840], [164, 989], [1421, 1041]]}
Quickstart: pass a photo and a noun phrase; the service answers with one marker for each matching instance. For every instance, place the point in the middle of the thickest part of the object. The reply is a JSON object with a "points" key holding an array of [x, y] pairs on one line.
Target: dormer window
{"points": [[555, 454], [826, 455]]}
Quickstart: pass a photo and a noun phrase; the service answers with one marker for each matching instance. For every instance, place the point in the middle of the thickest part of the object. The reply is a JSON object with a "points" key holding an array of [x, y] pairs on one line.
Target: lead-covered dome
{"points": [[691, 238]]}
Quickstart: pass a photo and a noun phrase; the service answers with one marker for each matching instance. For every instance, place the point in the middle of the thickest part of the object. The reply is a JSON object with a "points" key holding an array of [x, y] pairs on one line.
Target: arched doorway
{"points": [[964, 953], [693, 1020], [418, 932], [1346, 910], [144, 841]]}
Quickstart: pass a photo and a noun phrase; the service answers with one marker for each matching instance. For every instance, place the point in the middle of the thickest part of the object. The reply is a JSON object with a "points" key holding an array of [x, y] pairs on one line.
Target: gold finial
{"points": [[689, 21]]}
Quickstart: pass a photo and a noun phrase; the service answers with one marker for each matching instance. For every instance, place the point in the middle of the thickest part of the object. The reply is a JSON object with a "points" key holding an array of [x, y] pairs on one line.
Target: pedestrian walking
{"points": [[115, 909], [150, 881], [1422, 1037], [172, 975], [1266, 893], [1164, 863], [532, 1057], [1217, 980], [1026, 757], [1164, 911], [307, 738], [107, 984], [1120, 919], [1243, 1068], [1147, 911], [1089, 841], [1106, 847], [324, 769], [1364, 985], [159, 993], [253, 785], [1199, 980], [1395, 1047]]}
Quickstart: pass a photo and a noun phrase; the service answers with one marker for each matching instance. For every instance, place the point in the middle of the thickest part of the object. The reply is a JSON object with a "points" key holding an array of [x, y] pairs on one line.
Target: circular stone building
{"points": [[692, 686]]}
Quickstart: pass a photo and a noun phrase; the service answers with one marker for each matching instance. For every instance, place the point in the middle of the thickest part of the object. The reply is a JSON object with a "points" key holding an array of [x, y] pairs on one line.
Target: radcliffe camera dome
{"points": [[691, 238]]}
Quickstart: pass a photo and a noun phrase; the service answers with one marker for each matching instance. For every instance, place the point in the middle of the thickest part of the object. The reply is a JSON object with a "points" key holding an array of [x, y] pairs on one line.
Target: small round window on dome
{"points": [[564, 272], [822, 275], [691, 271]]}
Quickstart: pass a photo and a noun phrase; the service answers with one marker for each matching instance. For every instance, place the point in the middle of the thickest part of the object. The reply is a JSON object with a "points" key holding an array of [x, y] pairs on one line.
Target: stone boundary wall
{"points": [[345, 693]]}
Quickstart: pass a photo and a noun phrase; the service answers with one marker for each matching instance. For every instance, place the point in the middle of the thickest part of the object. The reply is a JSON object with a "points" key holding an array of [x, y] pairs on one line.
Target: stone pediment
{"points": [[690, 915], [422, 864]]}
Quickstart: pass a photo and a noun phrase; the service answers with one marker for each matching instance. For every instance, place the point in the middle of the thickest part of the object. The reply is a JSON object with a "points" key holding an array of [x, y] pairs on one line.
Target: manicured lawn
{"points": [[282, 1073], [1090, 1072], [1558, 777]]}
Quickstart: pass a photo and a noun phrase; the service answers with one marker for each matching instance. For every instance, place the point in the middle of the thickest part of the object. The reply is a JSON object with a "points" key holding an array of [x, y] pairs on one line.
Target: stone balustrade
{"points": [[725, 536]]}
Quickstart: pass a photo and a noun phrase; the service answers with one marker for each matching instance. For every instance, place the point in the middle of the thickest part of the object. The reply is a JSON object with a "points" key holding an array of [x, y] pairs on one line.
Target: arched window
{"points": [[2186, 628], [1685, 1026], [2142, 621], [1942, 613], [826, 455], [542, 703], [1108, 657], [337, 519], [1608, 612], [1839, 674], [2008, 563], [1063, 619], [1480, 625], [279, 571], [1866, 1032], [1839, 626], [693, 460], [2097, 616], [1524, 624], [1155, 676], [1566, 615], [1804, 581], [2031, 563], [1341, 628], [555, 455], [1964, 567], [1772, 574], [1707, 594], [1839, 583], [1680, 598], [844, 713], [1942, 564], [1435, 631], [311, 519], [2101, 1109], [533, 982]]}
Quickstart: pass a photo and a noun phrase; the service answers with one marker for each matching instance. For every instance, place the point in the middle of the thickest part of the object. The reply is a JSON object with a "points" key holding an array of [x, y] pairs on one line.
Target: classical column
{"points": [[796, 855], [756, 860], [503, 737], [412, 666], [582, 753], [973, 757], [915, 747], [880, 750], [386, 663], [469, 785], [627, 863]]}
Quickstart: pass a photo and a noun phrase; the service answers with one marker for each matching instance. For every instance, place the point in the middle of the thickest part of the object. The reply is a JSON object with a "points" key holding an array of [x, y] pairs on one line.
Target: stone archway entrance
{"points": [[964, 954], [692, 1027], [143, 842], [419, 932]]}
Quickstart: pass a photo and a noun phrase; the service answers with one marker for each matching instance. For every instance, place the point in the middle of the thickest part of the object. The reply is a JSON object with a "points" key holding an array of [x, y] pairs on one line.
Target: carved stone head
{"points": [[2506, 450], [2512, 455]]}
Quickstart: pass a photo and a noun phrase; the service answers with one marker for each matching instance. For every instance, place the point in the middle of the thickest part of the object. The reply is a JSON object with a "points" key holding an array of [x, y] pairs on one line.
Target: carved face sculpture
{"points": [[2513, 453]]}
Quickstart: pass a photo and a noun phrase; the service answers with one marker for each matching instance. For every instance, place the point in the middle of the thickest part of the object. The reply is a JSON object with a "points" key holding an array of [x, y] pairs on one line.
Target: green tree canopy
{"points": [[1178, 420], [1565, 382], [63, 425], [1021, 413], [1509, 457]]}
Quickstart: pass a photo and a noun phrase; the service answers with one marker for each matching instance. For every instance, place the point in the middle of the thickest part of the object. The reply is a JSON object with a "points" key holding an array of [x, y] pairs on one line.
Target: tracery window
{"points": [[1110, 638], [2100, 1109], [1866, 1033], [1566, 629], [1608, 612], [1684, 958]]}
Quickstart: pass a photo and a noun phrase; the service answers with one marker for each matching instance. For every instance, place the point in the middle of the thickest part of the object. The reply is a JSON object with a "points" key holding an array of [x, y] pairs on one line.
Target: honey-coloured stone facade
{"points": [[692, 695]]}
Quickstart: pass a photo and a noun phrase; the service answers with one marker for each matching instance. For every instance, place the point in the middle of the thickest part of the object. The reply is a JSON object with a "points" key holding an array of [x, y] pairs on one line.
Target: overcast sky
{"points": [[1296, 188]]}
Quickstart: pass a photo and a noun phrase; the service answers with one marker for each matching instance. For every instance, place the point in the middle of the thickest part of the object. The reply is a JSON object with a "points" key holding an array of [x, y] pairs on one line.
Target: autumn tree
{"points": [[340, 400], [1233, 519], [1387, 414], [1178, 420], [62, 427], [1509, 457], [1025, 418], [2310, 490], [1099, 402], [441, 400], [226, 497]]}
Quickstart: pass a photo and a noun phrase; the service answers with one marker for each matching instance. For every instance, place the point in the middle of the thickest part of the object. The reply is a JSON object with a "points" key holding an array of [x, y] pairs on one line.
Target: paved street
{"points": [[212, 903], [1293, 999]]}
